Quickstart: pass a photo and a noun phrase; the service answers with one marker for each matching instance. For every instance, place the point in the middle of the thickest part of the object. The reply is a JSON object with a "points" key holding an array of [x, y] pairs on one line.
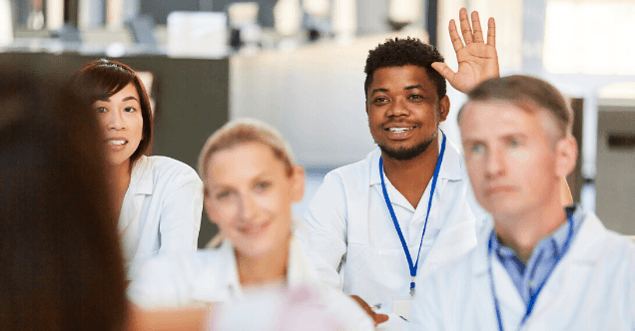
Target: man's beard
{"points": [[404, 154]]}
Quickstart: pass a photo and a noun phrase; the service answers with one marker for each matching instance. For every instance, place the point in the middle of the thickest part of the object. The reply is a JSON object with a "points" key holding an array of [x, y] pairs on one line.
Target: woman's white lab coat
{"points": [[161, 211], [592, 288], [210, 276]]}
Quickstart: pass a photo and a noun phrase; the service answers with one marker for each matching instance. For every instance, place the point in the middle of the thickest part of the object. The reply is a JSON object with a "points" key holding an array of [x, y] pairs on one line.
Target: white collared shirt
{"points": [[211, 276], [352, 240], [591, 288], [161, 211]]}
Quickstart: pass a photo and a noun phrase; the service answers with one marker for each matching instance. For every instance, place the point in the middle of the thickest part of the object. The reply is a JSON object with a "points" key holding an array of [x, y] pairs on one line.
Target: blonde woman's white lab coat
{"points": [[211, 276], [592, 288], [161, 211]]}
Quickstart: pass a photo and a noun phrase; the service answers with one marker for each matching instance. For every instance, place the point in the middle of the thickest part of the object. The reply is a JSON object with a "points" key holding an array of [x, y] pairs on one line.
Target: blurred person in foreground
{"points": [[251, 181], [537, 266], [159, 200], [60, 261]]}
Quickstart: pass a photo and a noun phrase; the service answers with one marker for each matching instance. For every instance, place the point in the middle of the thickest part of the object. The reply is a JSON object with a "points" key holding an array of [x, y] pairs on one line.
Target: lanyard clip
{"points": [[412, 291]]}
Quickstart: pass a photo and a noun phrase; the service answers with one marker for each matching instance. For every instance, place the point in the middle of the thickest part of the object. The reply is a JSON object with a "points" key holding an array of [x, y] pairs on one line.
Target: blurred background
{"points": [[298, 64]]}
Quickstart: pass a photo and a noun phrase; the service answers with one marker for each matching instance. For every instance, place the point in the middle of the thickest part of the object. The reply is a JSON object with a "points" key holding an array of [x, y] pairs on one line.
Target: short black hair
{"points": [[400, 52]]}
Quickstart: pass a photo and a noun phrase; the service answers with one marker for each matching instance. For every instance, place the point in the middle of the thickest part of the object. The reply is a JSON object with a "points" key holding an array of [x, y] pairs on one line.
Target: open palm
{"points": [[478, 61]]}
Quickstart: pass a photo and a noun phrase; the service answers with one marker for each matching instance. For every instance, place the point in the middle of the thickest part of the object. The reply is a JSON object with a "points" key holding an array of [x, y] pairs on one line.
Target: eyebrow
{"points": [[124, 100], [378, 90], [411, 87]]}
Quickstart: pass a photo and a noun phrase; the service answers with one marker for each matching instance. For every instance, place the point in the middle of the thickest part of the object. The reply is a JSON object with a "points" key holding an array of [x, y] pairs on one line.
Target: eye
{"points": [[100, 109], [262, 185], [223, 195], [129, 109], [513, 142], [380, 100], [416, 97], [477, 148]]}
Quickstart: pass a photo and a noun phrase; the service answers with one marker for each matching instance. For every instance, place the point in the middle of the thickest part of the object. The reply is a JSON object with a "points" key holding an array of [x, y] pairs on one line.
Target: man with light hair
{"points": [[537, 265]]}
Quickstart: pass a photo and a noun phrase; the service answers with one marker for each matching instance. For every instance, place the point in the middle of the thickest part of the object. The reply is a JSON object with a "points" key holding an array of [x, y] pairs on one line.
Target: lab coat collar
{"points": [[141, 184], [141, 179], [299, 271], [582, 251], [450, 167]]}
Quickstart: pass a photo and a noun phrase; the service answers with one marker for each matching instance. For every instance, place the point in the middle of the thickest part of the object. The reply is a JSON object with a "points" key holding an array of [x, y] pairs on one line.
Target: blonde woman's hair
{"points": [[242, 131]]}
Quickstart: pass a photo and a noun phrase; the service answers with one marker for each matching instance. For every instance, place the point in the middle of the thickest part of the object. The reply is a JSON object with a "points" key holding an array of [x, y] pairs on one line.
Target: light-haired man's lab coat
{"points": [[592, 288]]}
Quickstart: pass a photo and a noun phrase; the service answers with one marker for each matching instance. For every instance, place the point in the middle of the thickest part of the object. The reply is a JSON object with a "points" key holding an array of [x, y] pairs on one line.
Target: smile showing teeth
{"points": [[116, 142], [399, 130]]}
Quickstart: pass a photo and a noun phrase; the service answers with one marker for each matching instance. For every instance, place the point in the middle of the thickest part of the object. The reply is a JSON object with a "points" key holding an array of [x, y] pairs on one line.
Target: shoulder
{"points": [[357, 173], [168, 165], [163, 169]]}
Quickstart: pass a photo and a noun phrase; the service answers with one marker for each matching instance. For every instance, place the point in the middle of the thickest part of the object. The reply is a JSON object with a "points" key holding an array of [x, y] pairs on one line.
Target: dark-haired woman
{"points": [[159, 199]]}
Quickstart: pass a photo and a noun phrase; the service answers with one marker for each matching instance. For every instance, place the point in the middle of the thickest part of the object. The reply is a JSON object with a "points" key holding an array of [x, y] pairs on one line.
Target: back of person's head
{"points": [[528, 93], [101, 79], [61, 266], [401, 52], [243, 131]]}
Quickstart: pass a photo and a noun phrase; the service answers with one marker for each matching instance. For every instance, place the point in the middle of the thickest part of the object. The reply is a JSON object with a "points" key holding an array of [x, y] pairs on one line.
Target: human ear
{"points": [[444, 108], [297, 183], [566, 155]]}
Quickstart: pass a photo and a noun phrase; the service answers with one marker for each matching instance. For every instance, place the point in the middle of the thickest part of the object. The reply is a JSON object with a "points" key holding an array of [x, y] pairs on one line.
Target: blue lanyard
{"points": [[534, 296], [412, 266]]}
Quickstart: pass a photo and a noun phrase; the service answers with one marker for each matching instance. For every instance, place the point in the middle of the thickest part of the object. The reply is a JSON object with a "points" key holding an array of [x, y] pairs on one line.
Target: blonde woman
{"points": [[251, 181]]}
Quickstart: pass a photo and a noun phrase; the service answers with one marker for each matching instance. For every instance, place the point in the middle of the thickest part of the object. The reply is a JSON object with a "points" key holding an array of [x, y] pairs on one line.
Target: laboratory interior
{"points": [[299, 66]]}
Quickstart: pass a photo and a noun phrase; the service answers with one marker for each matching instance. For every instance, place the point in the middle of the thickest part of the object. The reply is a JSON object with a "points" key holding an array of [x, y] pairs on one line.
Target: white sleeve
{"points": [[325, 223], [181, 213], [159, 284]]}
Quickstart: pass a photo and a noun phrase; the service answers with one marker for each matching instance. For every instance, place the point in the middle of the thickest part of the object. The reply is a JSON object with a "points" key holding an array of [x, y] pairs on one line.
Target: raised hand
{"points": [[477, 60]]}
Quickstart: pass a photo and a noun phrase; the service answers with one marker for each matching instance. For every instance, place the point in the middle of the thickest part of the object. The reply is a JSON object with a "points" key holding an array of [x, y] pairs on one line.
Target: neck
{"points": [[411, 177], [523, 232], [264, 269], [120, 180]]}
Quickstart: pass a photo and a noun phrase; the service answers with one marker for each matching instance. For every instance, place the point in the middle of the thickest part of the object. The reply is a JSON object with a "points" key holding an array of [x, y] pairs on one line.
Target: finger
{"points": [[444, 70], [476, 28], [466, 30], [457, 44], [380, 318], [491, 32]]}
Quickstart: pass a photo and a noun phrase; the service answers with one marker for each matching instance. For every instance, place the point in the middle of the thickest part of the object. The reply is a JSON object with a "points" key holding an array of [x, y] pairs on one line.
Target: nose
{"points": [[247, 208], [116, 121], [495, 163], [397, 108]]}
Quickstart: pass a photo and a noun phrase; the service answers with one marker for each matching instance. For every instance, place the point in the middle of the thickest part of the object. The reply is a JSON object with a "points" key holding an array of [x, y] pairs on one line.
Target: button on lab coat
{"points": [[161, 211], [352, 240], [211, 276], [592, 288]]}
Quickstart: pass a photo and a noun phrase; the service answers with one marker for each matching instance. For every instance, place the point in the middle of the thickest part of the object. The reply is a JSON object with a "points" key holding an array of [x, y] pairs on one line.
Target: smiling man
{"points": [[537, 266], [375, 224]]}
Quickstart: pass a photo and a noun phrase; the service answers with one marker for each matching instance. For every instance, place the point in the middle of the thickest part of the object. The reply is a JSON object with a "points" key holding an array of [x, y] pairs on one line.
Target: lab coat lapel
{"points": [[141, 184], [299, 271], [511, 304], [214, 286], [580, 258]]}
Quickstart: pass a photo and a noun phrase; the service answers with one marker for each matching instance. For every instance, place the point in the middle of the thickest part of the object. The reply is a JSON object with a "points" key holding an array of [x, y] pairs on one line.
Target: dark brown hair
{"points": [[61, 265], [528, 93], [401, 52], [101, 79]]}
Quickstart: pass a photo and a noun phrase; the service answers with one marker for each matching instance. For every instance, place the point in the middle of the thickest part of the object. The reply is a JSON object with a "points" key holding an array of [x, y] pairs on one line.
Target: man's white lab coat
{"points": [[592, 288]]}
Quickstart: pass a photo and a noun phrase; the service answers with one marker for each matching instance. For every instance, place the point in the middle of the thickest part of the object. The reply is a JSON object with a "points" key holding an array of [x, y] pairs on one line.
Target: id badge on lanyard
{"points": [[412, 266]]}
